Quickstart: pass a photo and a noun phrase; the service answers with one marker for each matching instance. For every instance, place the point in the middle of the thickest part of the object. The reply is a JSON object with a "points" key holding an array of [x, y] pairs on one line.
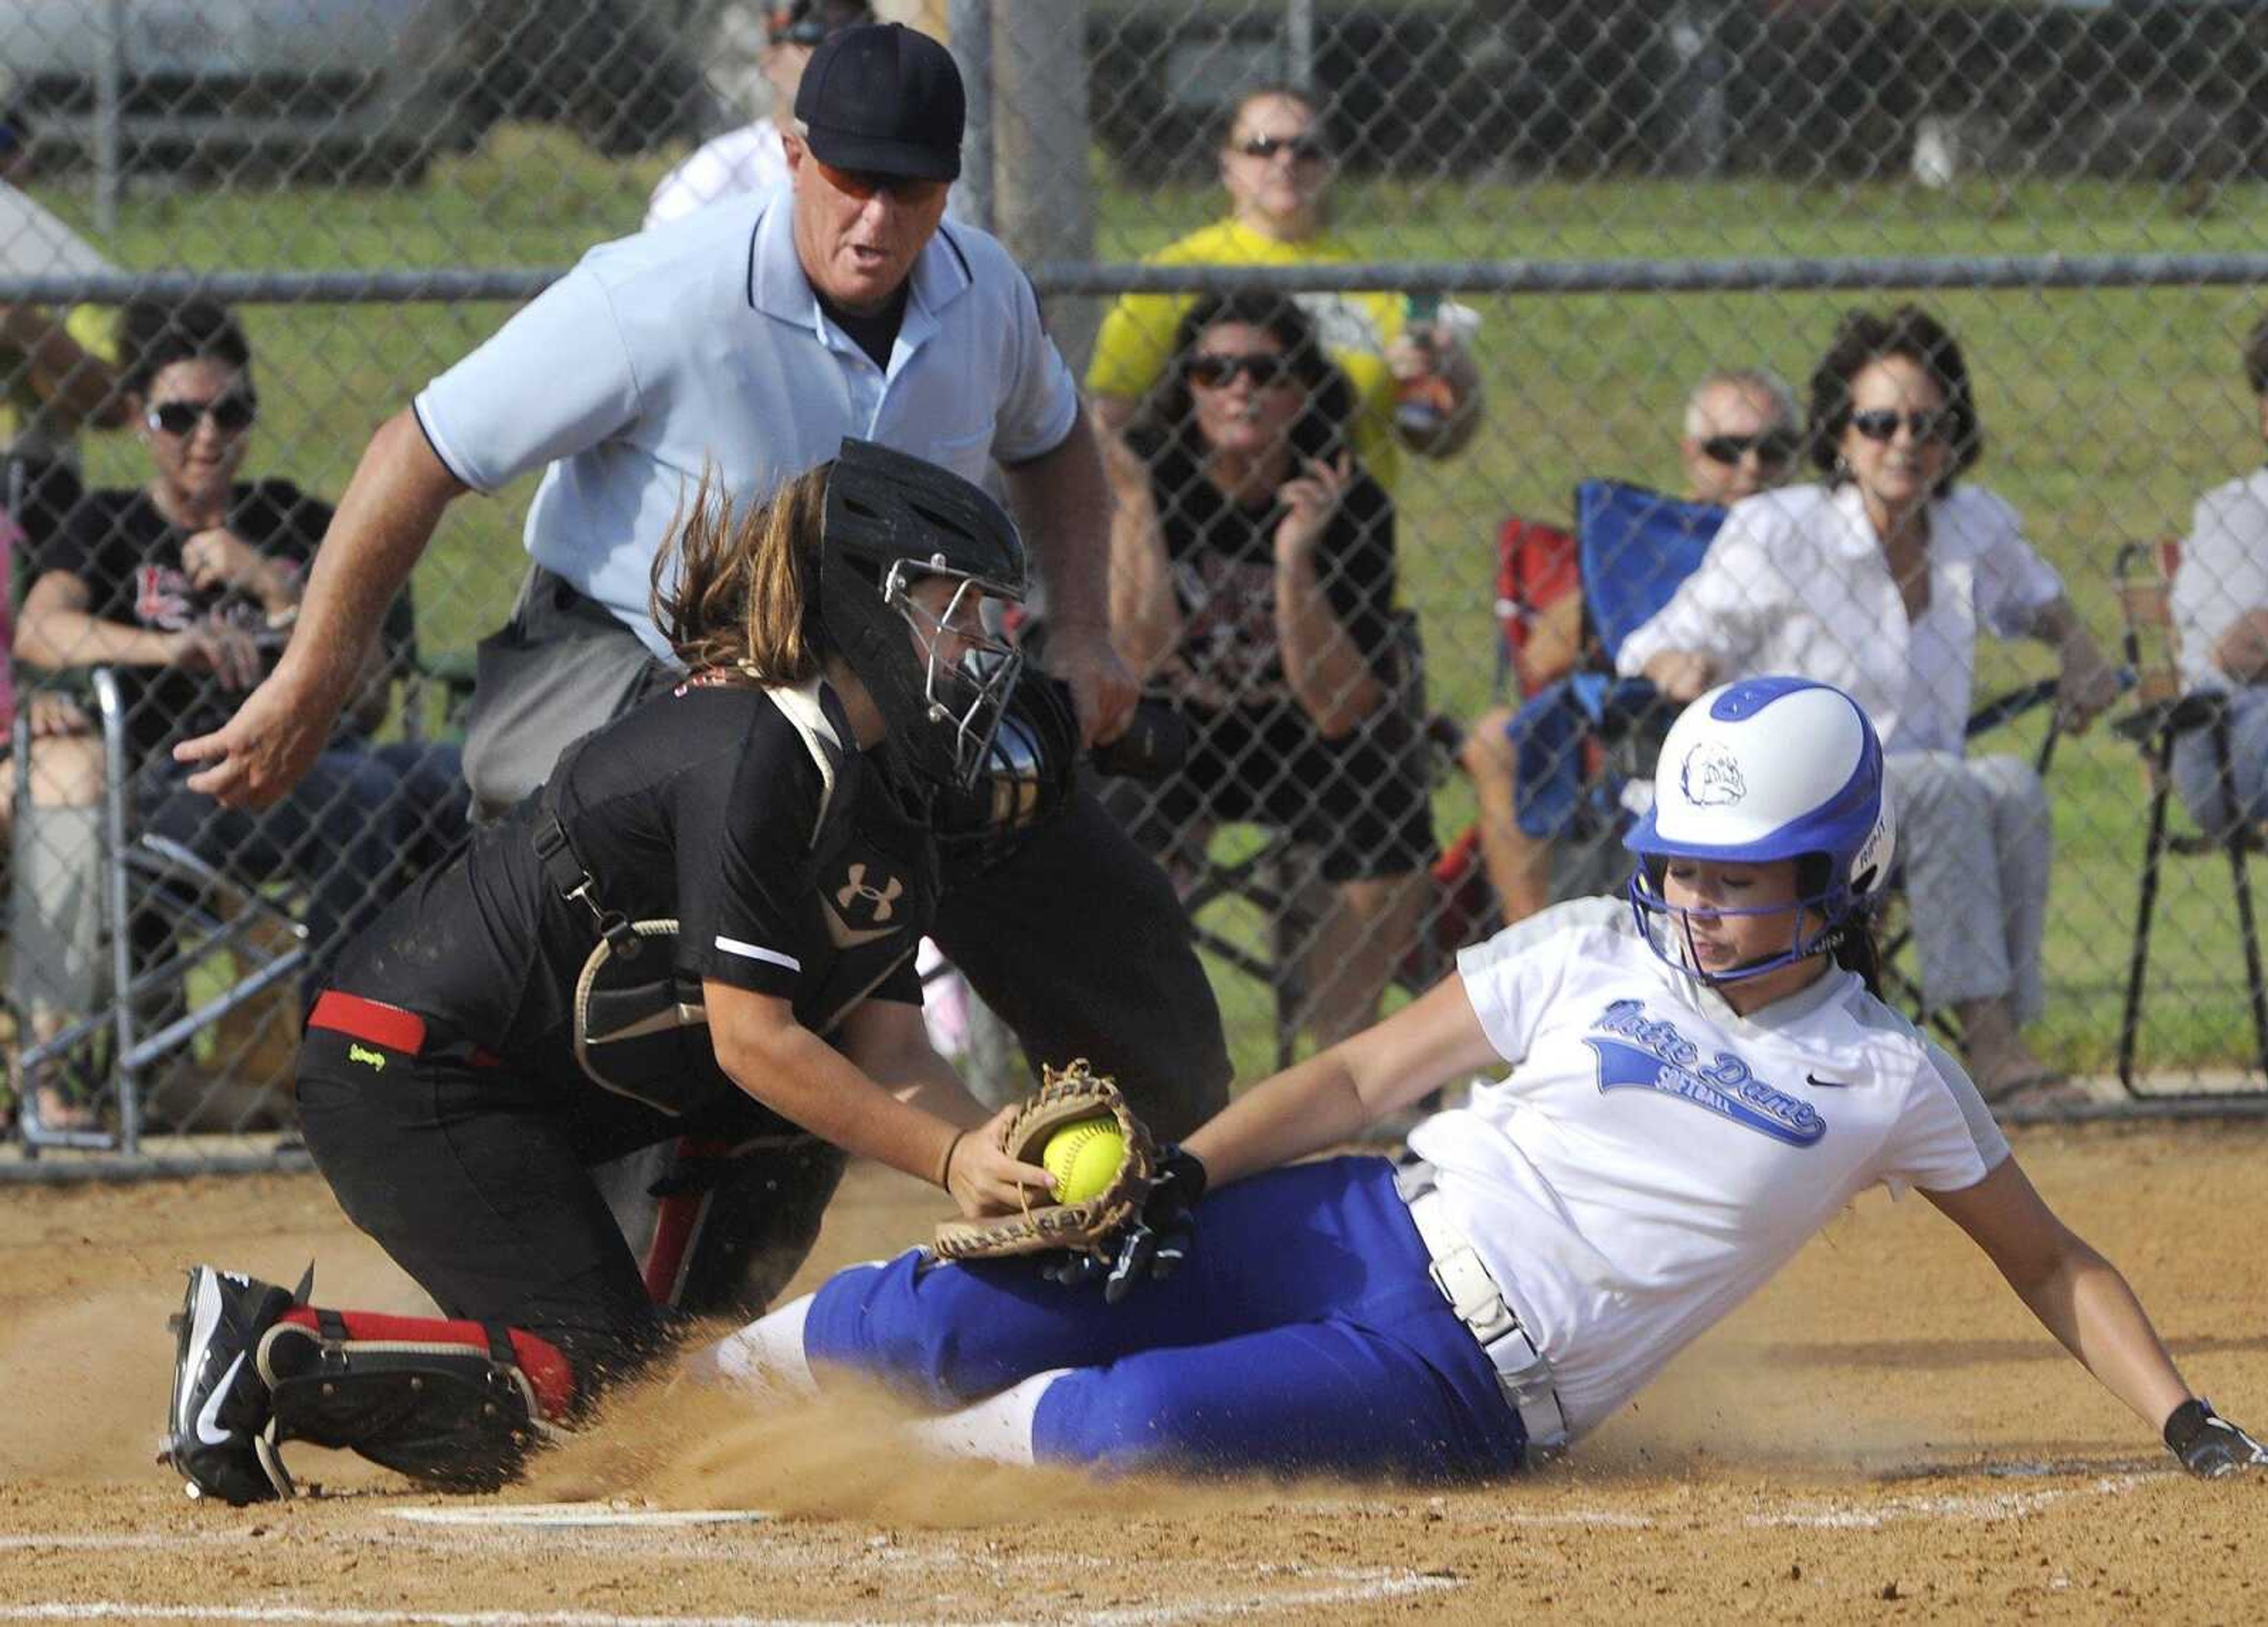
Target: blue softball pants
{"points": [[1303, 1334]]}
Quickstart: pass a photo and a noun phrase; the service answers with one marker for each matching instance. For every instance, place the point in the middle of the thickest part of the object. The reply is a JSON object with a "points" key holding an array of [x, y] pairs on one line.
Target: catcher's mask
{"points": [[1763, 769], [893, 521], [1025, 778]]}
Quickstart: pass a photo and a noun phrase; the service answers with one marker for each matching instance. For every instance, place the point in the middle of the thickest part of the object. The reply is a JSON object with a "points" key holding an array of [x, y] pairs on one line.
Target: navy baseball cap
{"points": [[884, 98]]}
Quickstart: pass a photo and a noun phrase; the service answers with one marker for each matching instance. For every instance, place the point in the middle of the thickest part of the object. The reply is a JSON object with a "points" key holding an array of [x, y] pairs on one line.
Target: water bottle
{"points": [[1422, 405]]}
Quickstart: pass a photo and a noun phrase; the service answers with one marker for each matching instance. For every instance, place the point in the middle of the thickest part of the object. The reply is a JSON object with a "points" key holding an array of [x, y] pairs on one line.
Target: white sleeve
{"points": [[1512, 978], [1040, 401], [557, 378], [1718, 609], [2224, 569], [1945, 1139], [2014, 583], [695, 184]]}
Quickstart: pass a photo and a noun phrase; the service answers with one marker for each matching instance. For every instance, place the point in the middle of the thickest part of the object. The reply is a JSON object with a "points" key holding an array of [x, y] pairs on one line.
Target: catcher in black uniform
{"points": [[703, 925]]}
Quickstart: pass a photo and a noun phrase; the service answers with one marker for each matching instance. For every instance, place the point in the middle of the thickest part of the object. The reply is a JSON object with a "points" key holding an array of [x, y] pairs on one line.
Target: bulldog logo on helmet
{"points": [[1712, 777]]}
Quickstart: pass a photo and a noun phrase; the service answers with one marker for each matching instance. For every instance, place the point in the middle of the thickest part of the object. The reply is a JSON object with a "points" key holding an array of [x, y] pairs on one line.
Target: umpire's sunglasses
{"points": [[917, 191], [1774, 448], [232, 414]]}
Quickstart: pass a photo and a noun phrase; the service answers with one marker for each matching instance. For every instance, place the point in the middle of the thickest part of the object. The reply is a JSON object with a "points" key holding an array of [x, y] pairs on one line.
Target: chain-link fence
{"points": [[1518, 241]]}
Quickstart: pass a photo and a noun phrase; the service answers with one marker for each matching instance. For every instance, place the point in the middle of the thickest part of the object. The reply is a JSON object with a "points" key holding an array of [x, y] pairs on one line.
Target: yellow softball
{"points": [[1084, 1157]]}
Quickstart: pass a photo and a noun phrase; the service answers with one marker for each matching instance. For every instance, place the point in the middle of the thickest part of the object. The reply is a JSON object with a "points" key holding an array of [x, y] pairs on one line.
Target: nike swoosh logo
{"points": [[208, 1430], [1814, 1079]]}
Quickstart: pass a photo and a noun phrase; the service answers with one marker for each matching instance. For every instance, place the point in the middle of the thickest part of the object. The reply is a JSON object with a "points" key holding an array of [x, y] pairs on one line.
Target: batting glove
{"points": [[2208, 1445], [1157, 1240]]}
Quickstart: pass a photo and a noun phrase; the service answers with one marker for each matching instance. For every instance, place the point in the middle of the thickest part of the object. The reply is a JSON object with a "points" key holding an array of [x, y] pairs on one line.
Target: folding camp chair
{"points": [[205, 917], [2163, 714]]}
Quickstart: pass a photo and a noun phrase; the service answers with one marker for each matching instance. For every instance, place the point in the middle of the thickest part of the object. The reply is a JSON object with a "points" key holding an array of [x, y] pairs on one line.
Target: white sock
{"points": [[997, 1429], [766, 1356]]}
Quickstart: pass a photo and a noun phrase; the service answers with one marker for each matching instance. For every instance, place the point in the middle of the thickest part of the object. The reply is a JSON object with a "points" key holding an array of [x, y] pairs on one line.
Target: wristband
{"points": [[944, 1164]]}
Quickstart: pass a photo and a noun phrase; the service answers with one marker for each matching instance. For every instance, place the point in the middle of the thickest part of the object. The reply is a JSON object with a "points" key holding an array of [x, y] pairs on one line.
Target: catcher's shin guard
{"points": [[457, 1405]]}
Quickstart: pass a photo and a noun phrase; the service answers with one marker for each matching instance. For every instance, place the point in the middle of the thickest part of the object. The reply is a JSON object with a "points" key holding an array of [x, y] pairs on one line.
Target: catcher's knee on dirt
{"points": [[455, 1404]]}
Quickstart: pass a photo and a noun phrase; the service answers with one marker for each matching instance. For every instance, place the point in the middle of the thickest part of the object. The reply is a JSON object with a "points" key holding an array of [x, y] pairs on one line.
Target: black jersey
{"points": [[749, 817]]}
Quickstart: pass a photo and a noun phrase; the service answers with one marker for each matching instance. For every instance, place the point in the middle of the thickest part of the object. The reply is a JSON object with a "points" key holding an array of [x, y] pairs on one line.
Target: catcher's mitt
{"points": [[1087, 1226]]}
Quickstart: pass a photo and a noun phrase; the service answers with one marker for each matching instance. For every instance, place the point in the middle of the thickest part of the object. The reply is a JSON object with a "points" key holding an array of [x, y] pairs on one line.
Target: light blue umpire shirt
{"points": [[702, 341]]}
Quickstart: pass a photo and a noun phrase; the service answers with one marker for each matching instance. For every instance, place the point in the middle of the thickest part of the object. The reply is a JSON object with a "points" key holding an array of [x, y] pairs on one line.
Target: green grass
{"points": [[2106, 413]]}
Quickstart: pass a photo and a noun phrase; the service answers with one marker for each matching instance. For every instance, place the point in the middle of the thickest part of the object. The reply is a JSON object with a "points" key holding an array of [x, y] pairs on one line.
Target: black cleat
{"points": [[220, 1412]]}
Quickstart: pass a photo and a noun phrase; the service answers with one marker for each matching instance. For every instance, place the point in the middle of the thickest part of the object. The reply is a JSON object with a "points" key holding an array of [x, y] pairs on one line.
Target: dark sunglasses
{"points": [[1304, 149], [782, 27], [914, 191], [1774, 448], [1881, 423], [1213, 371], [230, 415]]}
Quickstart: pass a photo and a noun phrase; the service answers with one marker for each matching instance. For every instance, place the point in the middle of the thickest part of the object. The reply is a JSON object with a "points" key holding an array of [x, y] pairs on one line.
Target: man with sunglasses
{"points": [[751, 339], [1740, 435], [754, 158]]}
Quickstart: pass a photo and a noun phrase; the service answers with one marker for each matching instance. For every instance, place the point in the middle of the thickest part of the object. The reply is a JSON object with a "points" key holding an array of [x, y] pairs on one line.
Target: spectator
{"points": [[184, 585], [753, 158], [1253, 574], [1740, 438], [1876, 580], [1276, 164], [2221, 620]]}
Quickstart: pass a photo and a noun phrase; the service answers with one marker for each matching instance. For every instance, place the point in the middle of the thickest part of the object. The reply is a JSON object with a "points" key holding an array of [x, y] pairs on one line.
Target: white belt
{"points": [[1522, 1372]]}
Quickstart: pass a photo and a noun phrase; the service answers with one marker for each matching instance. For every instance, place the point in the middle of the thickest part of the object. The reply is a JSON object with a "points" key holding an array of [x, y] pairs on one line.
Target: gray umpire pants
{"points": [[1976, 842], [1075, 937]]}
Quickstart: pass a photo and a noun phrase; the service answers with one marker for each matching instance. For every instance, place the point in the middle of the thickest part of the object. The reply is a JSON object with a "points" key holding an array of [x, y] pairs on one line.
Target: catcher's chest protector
{"points": [[640, 1029]]}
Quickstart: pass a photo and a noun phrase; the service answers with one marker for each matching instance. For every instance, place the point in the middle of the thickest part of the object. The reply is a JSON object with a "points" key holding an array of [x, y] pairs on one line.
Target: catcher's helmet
{"points": [[1761, 769], [891, 519]]}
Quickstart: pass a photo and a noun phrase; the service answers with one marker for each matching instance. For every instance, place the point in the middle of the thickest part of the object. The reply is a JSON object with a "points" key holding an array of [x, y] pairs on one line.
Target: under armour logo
{"points": [[883, 898], [1712, 777]]}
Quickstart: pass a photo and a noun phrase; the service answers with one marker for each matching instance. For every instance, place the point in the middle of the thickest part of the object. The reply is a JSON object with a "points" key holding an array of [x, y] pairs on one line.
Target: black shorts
{"points": [[1364, 800]]}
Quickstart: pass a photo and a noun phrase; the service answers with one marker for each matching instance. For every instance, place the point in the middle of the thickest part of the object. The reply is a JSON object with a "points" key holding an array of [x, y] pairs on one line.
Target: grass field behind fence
{"points": [[2106, 413]]}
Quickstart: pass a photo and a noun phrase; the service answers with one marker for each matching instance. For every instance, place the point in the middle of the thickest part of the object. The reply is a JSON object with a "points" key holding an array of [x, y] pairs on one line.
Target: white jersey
{"points": [[751, 158], [1654, 1157]]}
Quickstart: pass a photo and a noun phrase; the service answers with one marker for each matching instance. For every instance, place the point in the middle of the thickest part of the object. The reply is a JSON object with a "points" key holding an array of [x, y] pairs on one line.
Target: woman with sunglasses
{"points": [[185, 587], [1253, 572], [1878, 579], [1276, 166]]}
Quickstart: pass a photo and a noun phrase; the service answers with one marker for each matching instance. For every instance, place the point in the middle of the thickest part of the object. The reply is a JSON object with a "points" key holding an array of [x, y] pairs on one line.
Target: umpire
{"points": [[756, 335]]}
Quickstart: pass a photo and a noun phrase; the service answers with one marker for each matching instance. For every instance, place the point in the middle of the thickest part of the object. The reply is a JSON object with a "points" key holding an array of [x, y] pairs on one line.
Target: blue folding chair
{"points": [[1582, 739]]}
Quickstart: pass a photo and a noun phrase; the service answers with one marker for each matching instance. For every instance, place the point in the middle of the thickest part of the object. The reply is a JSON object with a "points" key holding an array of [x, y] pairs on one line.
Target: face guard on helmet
{"points": [[1763, 769], [892, 522]]}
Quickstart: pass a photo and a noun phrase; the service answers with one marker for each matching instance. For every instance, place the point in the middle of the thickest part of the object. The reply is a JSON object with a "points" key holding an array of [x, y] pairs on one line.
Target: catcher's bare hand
{"points": [[986, 1180], [2209, 1445]]}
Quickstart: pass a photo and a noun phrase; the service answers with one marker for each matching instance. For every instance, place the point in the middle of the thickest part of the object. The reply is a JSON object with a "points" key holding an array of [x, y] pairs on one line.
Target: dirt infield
{"points": [[1882, 1434]]}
